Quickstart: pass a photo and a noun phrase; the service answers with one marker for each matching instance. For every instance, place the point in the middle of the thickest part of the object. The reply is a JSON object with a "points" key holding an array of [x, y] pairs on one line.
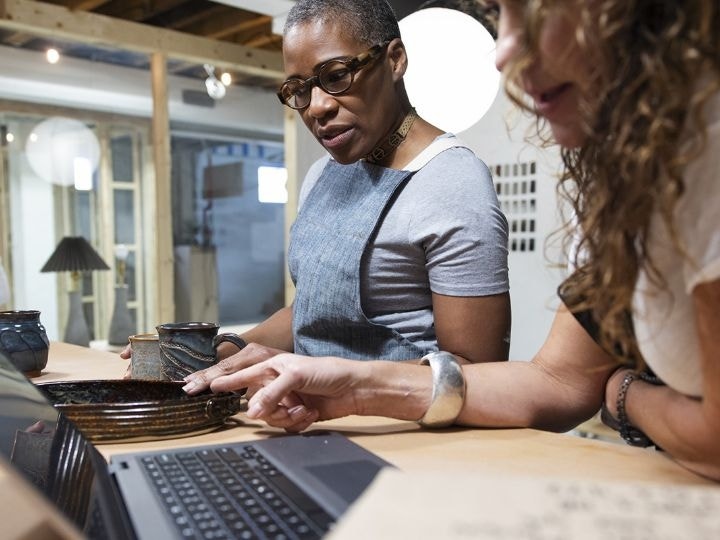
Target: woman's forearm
{"points": [[526, 394], [399, 390], [682, 426], [563, 385], [508, 394], [275, 332]]}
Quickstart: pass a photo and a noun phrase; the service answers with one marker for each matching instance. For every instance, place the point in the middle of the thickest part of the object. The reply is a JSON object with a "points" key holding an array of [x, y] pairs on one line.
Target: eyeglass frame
{"points": [[353, 64]]}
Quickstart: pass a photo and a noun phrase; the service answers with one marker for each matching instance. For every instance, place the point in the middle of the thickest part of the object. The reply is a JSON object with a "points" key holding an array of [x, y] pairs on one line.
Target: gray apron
{"points": [[327, 243]]}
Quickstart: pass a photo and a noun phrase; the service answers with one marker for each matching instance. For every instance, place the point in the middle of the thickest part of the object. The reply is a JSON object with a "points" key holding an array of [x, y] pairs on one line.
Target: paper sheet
{"points": [[459, 506]]}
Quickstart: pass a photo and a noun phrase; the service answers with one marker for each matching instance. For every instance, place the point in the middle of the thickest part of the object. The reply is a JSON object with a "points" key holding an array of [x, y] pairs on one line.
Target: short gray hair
{"points": [[369, 21]]}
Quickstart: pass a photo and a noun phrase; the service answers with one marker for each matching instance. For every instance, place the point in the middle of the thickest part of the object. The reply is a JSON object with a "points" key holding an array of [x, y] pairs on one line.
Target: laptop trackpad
{"points": [[347, 479], [327, 466]]}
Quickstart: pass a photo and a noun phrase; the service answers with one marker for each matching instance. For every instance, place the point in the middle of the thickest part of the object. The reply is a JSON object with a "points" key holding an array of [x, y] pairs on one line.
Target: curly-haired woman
{"points": [[630, 89]]}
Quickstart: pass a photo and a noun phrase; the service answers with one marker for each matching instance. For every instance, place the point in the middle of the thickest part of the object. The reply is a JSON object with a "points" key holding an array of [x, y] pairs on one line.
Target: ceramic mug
{"points": [[24, 341], [190, 346], [145, 357]]}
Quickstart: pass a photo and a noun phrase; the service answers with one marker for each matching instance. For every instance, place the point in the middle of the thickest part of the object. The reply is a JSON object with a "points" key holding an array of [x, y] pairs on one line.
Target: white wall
{"points": [[32, 223], [500, 138]]}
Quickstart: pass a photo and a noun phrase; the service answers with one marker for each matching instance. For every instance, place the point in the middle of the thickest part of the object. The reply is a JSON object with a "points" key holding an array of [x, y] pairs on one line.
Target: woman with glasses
{"points": [[631, 91], [399, 247]]}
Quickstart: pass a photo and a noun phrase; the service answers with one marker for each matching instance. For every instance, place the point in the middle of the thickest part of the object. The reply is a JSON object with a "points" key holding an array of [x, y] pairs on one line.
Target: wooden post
{"points": [[292, 166], [163, 282], [5, 260]]}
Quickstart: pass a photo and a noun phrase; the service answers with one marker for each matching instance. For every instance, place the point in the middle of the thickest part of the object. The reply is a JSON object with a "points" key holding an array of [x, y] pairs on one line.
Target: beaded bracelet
{"points": [[630, 434]]}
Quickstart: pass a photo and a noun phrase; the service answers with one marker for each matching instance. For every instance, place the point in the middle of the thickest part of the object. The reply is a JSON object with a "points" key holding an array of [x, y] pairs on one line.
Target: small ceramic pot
{"points": [[24, 341], [145, 360]]}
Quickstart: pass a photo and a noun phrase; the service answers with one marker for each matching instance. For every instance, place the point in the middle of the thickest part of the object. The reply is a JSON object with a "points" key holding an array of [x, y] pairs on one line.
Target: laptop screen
{"points": [[48, 450]]}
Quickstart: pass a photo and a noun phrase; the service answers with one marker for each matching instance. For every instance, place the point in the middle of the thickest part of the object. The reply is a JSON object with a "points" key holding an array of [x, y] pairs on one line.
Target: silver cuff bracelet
{"points": [[448, 394]]}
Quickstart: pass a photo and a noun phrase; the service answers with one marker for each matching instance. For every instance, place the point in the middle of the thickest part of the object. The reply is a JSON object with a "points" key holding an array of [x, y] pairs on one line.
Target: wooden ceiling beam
{"points": [[58, 22], [139, 10], [18, 39], [86, 5], [261, 41], [234, 25], [186, 22]]}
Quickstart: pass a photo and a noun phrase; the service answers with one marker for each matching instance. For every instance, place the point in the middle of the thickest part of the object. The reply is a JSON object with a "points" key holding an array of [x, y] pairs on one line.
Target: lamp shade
{"points": [[74, 254]]}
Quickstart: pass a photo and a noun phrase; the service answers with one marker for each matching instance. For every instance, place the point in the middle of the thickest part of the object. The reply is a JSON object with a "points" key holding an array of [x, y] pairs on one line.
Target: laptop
{"points": [[285, 487]]}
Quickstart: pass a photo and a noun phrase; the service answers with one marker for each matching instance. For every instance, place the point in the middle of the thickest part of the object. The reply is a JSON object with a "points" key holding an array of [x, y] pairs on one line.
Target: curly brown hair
{"points": [[657, 62]]}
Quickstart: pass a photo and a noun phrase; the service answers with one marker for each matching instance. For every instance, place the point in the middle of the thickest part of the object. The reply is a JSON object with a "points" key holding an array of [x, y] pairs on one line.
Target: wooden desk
{"points": [[25, 514], [411, 448]]}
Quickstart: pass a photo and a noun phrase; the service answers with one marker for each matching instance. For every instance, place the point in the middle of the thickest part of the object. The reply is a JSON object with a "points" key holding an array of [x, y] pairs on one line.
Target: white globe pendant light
{"points": [[451, 78]]}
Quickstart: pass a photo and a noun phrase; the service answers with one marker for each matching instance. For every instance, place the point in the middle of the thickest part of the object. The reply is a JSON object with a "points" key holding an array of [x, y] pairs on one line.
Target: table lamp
{"points": [[74, 254]]}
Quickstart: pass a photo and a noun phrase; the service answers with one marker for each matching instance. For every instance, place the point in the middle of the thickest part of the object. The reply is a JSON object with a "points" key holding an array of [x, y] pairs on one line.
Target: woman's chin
{"points": [[344, 158], [568, 136]]}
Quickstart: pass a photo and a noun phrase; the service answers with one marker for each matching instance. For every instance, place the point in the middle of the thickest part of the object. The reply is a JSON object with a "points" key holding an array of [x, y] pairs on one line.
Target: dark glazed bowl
{"points": [[138, 410]]}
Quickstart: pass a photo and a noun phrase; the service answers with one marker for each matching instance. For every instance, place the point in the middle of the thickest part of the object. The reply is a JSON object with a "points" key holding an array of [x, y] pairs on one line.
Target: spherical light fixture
{"points": [[451, 78], [63, 151]]}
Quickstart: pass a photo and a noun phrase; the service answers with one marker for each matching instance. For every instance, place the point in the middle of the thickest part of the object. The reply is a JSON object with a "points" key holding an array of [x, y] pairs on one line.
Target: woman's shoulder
{"points": [[455, 162], [312, 176]]}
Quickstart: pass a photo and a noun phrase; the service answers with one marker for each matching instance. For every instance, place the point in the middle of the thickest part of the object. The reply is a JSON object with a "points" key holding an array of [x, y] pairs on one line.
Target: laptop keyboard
{"points": [[221, 493]]}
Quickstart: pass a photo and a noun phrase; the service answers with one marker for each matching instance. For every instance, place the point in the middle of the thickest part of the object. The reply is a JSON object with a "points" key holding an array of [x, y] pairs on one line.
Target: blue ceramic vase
{"points": [[24, 341]]}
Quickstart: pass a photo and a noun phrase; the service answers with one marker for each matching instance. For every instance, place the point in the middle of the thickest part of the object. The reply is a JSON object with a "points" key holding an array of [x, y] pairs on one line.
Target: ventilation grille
{"points": [[516, 187], [199, 98]]}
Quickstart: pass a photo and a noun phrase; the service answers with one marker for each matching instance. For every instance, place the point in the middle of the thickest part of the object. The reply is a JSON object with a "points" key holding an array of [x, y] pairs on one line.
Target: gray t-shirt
{"points": [[444, 233]]}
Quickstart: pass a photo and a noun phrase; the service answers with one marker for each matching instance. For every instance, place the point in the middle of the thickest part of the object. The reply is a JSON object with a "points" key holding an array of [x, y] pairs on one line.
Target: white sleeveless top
{"points": [[664, 322]]}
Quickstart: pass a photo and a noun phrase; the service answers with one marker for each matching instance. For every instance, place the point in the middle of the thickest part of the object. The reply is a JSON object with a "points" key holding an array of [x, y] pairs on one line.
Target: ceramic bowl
{"points": [[140, 410]]}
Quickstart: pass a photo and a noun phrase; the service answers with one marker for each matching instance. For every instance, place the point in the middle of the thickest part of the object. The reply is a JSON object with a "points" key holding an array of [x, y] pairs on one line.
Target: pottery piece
{"points": [[24, 341], [145, 359], [135, 410], [187, 347], [121, 323]]}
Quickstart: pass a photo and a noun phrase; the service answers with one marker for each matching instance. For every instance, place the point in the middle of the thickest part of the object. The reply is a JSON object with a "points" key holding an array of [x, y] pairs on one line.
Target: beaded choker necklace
{"points": [[394, 140]]}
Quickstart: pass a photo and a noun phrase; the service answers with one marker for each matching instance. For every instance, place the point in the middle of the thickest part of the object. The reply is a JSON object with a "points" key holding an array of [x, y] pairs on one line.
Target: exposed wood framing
{"points": [[104, 218], [137, 10], [5, 253], [18, 39], [232, 23], [261, 41], [41, 110], [163, 281], [210, 13], [87, 4], [59, 22], [291, 207]]}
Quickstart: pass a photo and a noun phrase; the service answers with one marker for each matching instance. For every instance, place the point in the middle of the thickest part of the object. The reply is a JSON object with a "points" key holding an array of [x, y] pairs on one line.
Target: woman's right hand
{"points": [[251, 354], [292, 391]]}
